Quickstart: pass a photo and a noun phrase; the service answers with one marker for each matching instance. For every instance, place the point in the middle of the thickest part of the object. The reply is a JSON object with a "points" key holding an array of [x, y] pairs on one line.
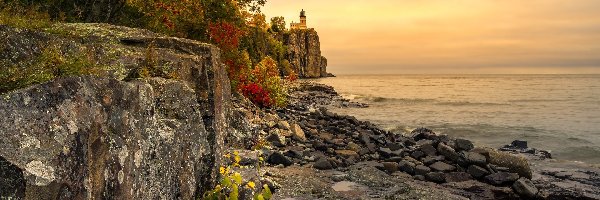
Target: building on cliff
{"points": [[302, 24]]}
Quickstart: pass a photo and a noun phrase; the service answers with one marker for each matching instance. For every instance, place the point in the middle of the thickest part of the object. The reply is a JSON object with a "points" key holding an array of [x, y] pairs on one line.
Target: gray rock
{"points": [[422, 170], [457, 177], [477, 171], [525, 187], [501, 178], [463, 145], [472, 158], [447, 152], [441, 166]]}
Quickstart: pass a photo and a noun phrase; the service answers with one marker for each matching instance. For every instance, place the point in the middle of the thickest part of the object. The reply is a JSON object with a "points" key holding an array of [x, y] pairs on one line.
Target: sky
{"points": [[452, 36]]}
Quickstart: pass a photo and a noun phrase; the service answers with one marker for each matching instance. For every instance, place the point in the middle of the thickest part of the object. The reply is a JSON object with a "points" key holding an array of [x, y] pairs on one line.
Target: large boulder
{"points": [[105, 138]]}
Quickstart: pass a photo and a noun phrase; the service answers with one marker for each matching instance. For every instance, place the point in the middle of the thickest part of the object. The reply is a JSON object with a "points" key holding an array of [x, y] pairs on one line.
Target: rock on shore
{"points": [[105, 138]]}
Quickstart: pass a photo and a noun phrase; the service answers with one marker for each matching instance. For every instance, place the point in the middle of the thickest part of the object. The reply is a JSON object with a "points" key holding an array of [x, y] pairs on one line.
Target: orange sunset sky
{"points": [[452, 36]]}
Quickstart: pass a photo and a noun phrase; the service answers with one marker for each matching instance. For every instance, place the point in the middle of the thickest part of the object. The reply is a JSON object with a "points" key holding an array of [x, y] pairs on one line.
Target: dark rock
{"points": [[420, 177], [320, 146], [428, 160], [394, 146], [463, 145], [276, 140], [422, 170], [293, 154], [394, 159], [441, 166], [428, 149], [521, 144], [390, 167], [364, 137], [477, 171], [323, 164], [397, 153], [501, 178], [437, 177], [385, 152], [422, 133], [407, 167], [417, 154], [447, 152], [525, 187], [277, 158], [457, 177]]}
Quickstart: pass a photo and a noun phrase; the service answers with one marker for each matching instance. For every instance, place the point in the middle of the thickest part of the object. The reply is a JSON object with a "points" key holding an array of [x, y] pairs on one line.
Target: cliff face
{"points": [[104, 138], [304, 53]]}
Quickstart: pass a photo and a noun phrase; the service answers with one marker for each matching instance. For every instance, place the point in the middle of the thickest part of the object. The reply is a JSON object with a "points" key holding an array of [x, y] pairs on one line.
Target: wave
{"points": [[468, 103], [378, 99], [535, 100]]}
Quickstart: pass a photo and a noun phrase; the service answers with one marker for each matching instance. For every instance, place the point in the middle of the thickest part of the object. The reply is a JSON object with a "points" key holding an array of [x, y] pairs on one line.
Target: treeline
{"points": [[251, 47]]}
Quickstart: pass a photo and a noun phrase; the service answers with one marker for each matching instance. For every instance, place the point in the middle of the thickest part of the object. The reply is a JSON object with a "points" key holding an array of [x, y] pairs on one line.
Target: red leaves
{"points": [[225, 35], [258, 95]]}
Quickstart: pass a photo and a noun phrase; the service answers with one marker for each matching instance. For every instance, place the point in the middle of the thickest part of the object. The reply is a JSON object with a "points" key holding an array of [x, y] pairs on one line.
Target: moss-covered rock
{"points": [[98, 136]]}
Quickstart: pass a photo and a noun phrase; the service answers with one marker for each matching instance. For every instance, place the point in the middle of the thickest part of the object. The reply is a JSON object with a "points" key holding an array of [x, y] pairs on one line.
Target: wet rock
{"points": [[422, 133], [477, 171], [277, 158], [390, 167], [298, 133], [441, 166], [422, 170], [407, 167], [437, 177], [463, 145], [323, 164], [447, 152], [525, 187], [501, 178], [521, 144], [457, 177]]}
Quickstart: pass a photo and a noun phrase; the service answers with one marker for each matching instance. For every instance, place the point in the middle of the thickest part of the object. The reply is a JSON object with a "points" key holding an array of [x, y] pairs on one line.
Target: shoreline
{"points": [[554, 181]]}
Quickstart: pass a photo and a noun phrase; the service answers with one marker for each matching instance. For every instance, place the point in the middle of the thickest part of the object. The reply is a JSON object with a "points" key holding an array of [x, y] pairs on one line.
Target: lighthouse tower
{"points": [[302, 24]]}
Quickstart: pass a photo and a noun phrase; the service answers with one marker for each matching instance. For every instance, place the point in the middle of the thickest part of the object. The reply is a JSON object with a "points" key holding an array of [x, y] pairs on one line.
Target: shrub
{"points": [[26, 18]]}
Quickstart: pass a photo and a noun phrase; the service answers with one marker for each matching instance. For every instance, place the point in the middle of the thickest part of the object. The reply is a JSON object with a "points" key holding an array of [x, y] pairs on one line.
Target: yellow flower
{"points": [[250, 185], [237, 159], [227, 155], [222, 170], [237, 153]]}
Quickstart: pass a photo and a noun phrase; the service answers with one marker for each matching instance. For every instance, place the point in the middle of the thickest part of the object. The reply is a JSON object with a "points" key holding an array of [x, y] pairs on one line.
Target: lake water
{"points": [[560, 113]]}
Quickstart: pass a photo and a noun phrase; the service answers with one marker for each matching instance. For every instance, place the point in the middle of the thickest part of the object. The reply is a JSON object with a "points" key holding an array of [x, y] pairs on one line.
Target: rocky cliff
{"points": [[100, 137], [304, 53]]}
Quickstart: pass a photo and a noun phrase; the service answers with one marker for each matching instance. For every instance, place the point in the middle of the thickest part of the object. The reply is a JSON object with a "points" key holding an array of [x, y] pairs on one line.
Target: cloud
{"points": [[460, 36]]}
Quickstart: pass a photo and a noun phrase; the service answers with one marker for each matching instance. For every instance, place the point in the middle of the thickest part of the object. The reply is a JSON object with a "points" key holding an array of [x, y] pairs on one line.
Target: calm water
{"points": [[560, 113]]}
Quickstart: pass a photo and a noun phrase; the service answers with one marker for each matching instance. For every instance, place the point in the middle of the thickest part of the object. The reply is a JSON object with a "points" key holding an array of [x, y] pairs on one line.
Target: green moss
{"points": [[49, 65], [19, 17]]}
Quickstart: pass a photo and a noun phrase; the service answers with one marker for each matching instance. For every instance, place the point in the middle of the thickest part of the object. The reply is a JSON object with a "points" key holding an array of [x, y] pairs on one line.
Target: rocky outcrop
{"points": [[99, 137], [304, 53]]}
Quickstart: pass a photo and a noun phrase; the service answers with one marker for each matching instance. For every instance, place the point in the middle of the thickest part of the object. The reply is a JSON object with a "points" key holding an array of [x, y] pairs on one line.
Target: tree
{"points": [[278, 24]]}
